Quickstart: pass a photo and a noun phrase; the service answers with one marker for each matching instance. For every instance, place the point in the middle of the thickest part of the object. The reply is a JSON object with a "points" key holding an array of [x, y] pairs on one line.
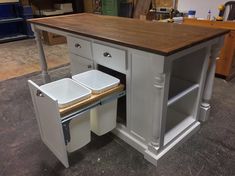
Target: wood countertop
{"points": [[156, 37], [230, 25]]}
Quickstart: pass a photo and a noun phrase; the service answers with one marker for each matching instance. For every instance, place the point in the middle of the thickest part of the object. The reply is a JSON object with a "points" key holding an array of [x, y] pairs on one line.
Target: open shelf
{"points": [[12, 37], [180, 88], [183, 96], [180, 112], [176, 123], [11, 20]]}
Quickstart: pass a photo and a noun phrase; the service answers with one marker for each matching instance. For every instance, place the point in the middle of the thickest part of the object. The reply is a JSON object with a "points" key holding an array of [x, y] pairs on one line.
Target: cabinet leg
{"points": [[207, 94], [42, 58]]}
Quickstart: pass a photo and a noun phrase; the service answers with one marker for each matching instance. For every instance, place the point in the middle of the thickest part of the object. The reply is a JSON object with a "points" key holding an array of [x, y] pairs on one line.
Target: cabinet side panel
{"points": [[47, 115], [142, 90]]}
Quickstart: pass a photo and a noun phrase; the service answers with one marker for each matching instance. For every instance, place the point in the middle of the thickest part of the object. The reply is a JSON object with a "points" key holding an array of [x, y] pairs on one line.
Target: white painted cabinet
{"points": [[163, 93]]}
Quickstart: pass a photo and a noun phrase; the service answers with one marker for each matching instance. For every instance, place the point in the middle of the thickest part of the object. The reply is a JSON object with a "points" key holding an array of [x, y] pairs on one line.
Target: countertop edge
{"points": [[130, 45]]}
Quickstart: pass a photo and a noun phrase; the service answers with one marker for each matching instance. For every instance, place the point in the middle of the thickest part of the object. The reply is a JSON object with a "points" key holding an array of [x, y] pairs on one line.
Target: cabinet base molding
{"points": [[148, 155]]}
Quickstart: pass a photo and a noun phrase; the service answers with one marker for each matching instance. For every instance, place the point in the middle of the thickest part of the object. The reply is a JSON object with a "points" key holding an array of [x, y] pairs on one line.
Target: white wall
{"points": [[201, 6]]}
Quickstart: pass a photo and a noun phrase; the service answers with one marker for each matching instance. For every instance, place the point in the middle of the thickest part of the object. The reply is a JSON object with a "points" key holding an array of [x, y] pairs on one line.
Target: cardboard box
{"points": [[53, 39], [24, 2]]}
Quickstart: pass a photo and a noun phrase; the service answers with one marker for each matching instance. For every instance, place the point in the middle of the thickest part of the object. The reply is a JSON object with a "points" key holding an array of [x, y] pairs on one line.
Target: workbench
{"points": [[167, 69], [225, 64]]}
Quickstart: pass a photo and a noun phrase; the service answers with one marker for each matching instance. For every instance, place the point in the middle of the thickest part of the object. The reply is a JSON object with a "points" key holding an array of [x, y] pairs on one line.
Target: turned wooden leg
{"points": [[207, 94], [42, 58]]}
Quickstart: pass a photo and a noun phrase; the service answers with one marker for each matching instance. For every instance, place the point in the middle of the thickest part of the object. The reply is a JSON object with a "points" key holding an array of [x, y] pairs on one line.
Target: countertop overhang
{"points": [[155, 37]]}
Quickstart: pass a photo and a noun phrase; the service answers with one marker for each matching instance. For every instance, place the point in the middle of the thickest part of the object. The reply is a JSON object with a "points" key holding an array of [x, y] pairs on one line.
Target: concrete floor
{"points": [[210, 152], [21, 57]]}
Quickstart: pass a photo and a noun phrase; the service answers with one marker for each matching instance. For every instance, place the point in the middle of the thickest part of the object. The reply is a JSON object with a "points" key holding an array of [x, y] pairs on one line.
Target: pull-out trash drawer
{"points": [[63, 113]]}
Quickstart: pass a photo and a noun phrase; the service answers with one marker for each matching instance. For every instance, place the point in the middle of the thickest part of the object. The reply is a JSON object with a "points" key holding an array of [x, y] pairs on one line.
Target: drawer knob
{"points": [[89, 66], [77, 45], [106, 54], [39, 93]]}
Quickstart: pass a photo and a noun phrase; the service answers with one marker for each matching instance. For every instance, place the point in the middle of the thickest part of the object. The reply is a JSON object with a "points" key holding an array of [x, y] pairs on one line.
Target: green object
{"points": [[110, 7]]}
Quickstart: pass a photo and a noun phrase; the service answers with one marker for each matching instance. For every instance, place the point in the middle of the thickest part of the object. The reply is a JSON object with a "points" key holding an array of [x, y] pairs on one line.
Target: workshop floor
{"points": [[210, 152], [21, 57]]}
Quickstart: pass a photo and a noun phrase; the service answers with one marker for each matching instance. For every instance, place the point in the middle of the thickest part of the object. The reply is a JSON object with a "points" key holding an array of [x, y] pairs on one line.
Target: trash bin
{"points": [[103, 118], [67, 92]]}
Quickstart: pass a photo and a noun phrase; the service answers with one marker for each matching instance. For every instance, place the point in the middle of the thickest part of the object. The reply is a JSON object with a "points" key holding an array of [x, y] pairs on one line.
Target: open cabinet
{"points": [[184, 94]]}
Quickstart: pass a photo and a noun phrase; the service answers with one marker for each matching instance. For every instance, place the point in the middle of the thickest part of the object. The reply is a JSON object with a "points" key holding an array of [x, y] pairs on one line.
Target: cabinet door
{"points": [[48, 118], [79, 64], [226, 58]]}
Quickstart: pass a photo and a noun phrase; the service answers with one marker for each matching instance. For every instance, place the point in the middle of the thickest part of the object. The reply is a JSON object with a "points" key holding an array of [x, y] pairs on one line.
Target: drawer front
{"points": [[80, 47], [79, 64], [110, 57]]}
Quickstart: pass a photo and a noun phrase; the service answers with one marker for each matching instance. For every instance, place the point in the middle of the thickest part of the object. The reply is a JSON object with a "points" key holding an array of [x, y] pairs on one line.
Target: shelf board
{"points": [[8, 1], [11, 20], [176, 123], [13, 38], [182, 94], [179, 88]]}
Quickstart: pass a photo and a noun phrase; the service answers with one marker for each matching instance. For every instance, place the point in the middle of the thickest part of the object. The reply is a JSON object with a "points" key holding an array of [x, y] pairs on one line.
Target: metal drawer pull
{"points": [[77, 45], [106, 54], [39, 93], [89, 66]]}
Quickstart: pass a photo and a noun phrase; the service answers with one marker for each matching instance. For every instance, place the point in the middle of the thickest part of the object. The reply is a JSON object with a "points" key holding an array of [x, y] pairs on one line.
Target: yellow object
{"points": [[219, 18], [221, 9], [170, 20]]}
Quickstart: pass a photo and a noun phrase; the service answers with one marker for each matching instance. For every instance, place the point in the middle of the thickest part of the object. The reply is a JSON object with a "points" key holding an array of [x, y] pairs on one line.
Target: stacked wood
{"points": [[142, 8]]}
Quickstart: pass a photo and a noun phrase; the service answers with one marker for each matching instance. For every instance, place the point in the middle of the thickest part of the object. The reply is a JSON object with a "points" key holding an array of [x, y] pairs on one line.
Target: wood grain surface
{"points": [[89, 101], [160, 38]]}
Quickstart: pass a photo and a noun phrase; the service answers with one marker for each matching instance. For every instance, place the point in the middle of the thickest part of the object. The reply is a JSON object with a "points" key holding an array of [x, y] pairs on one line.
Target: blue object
{"points": [[7, 11], [192, 12], [13, 22], [26, 11]]}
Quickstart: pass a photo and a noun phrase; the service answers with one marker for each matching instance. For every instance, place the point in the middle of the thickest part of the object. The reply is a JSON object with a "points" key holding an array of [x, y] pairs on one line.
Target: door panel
{"points": [[49, 122]]}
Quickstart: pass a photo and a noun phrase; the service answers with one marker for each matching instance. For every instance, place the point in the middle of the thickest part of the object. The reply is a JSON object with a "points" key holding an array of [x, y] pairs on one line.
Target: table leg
{"points": [[207, 94], [43, 62]]}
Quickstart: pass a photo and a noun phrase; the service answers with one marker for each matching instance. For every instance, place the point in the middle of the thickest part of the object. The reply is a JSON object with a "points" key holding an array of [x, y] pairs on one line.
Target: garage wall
{"points": [[201, 6]]}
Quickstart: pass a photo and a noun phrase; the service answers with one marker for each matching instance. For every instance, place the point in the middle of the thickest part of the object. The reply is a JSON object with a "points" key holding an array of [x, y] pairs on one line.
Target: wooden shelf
{"points": [[13, 38], [8, 1], [11, 20]]}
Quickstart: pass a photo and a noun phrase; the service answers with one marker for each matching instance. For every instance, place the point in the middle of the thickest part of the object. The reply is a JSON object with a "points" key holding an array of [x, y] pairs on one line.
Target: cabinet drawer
{"points": [[80, 47], [110, 57], [79, 64]]}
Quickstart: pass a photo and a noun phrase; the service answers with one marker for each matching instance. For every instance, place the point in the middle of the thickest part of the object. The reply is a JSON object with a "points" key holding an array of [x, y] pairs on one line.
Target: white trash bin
{"points": [[67, 92], [103, 118]]}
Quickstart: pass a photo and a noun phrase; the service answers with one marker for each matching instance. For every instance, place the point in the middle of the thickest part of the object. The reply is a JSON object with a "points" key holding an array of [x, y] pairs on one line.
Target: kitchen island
{"points": [[167, 69]]}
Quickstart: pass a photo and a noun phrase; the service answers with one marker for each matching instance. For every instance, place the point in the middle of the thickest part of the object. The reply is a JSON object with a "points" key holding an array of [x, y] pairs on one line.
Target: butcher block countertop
{"points": [[155, 37]]}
